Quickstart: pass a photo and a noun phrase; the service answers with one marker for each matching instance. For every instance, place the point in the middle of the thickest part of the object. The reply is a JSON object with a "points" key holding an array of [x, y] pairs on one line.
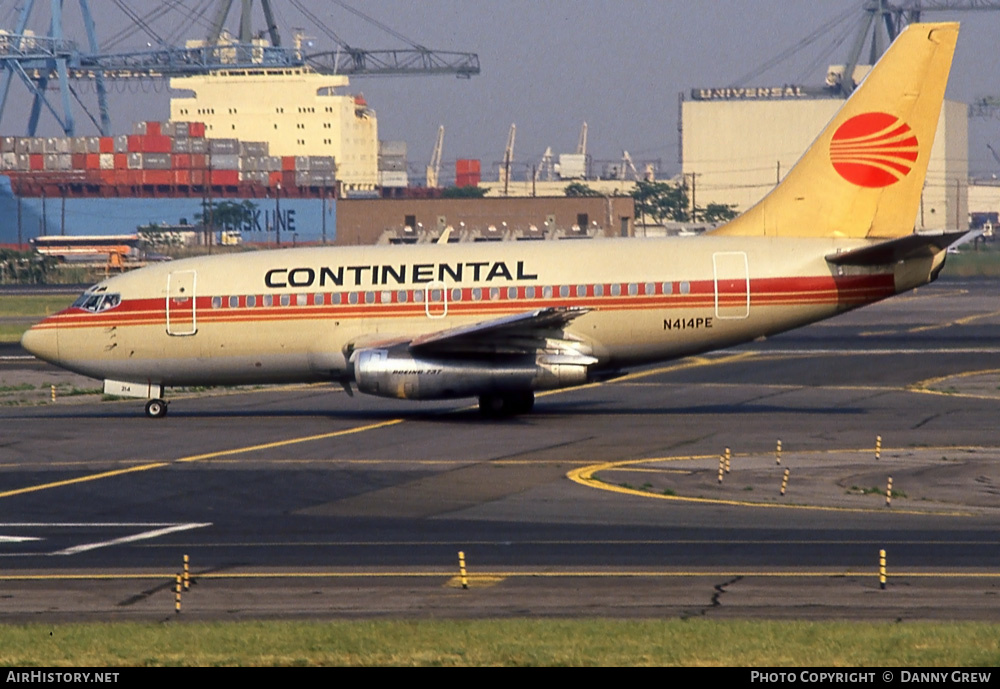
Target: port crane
{"points": [[39, 60], [894, 16], [434, 169]]}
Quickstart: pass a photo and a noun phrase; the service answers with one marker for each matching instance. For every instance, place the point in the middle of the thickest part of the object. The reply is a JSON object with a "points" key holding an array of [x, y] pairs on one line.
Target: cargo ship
{"points": [[284, 158]]}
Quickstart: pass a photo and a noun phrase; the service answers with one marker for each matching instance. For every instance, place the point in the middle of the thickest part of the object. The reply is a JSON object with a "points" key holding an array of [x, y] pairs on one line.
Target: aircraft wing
{"points": [[522, 333]]}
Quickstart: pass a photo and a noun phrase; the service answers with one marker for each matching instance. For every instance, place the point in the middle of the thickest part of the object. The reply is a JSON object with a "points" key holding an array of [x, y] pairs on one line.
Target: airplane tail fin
{"points": [[864, 175]]}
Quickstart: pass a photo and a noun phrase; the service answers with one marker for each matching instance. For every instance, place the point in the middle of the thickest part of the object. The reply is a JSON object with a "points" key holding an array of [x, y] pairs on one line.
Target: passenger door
{"points": [[182, 317]]}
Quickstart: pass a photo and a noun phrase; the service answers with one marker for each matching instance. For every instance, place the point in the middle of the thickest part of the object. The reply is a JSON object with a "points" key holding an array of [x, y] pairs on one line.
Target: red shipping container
{"points": [[273, 179], [154, 143], [148, 143], [106, 144], [199, 161], [157, 176], [466, 165], [197, 177], [133, 177], [468, 179], [182, 177], [196, 130], [182, 161], [226, 177], [93, 161], [121, 161], [288, 163], [288, 178], [153, 128], [78, 161], [36, 161], [108, 176]]}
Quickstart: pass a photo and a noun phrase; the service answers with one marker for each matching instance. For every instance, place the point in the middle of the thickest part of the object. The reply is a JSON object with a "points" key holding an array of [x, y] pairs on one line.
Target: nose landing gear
{"points": [[156, 409]]}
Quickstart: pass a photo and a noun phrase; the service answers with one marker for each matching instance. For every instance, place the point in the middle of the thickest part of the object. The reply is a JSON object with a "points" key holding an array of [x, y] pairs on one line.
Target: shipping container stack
{"points": [[165, 155], [467, 173], [392, 164]]}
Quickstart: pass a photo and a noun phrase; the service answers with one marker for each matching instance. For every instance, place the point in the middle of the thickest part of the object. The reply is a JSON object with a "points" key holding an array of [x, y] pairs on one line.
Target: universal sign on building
{"points": [[751, 92]]}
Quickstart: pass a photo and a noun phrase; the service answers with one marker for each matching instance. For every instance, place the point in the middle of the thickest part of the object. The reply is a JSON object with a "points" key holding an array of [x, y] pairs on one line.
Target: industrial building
{"points": [[738, 143], [369, 221]]}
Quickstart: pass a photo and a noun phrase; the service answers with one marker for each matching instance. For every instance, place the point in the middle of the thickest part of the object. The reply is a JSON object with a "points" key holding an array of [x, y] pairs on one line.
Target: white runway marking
{"points": [[153, 530], [145, 535]]}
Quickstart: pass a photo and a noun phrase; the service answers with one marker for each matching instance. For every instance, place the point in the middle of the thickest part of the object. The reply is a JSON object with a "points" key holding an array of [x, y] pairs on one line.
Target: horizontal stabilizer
{"points": [[920, 245]]}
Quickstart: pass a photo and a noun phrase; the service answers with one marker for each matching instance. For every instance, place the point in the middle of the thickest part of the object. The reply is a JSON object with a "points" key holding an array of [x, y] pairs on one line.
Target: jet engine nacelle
{"points": [[397, 373]]}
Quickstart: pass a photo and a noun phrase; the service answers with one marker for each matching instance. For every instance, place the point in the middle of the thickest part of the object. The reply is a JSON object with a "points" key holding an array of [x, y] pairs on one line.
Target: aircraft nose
{"points": [[42, 341]]}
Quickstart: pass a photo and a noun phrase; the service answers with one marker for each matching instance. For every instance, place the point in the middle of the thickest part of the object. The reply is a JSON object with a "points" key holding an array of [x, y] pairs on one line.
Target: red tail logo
{"points": [[873, 150]]}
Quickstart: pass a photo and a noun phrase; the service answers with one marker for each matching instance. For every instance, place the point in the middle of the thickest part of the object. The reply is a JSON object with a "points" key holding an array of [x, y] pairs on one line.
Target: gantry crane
{"points": [[894, 16], [37, 60]]}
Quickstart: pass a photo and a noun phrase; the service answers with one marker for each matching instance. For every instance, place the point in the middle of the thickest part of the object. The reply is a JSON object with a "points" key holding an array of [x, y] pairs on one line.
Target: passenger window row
{"points": [[455, 294]]}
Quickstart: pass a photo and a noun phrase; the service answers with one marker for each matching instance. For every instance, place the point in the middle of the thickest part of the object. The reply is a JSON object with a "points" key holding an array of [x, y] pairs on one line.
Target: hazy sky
{"points": [[549, 65]]}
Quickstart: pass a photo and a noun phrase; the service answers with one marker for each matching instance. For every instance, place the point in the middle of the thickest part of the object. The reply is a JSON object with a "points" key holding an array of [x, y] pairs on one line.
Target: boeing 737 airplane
{"points": [[499, 321]]}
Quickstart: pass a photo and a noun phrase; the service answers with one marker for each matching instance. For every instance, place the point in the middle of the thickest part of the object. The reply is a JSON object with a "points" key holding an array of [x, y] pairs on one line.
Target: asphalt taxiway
{"points": [[301, 501]]}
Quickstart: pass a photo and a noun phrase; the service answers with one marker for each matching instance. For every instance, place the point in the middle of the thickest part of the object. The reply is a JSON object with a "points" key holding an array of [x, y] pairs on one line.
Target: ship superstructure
{"points": [[297, 111]]}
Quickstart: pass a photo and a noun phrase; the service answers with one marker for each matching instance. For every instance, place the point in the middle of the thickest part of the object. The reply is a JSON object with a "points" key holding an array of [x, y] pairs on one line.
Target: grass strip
{"points": [[507, 642]]}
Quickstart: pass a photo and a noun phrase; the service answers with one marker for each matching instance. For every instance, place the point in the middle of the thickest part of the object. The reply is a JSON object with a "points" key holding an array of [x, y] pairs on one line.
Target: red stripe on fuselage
{"points": [[789, 291]]}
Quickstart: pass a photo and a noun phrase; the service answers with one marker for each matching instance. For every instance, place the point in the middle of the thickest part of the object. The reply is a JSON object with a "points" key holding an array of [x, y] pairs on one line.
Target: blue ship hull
{"points": [[22, 219]]}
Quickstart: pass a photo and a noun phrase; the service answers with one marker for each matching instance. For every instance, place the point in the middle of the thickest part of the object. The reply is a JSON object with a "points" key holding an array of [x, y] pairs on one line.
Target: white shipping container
{"points": [[392, 148], [224, 146], [393, 179], [156, 161], [8, 160], [107, 161], [253, 148], [225, 161], [572, 165], [57, 161], [323, 163]]}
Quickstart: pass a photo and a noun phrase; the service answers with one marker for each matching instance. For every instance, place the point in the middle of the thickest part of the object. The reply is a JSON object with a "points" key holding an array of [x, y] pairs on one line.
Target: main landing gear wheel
{"points": [[156, 409], [509, 404]]}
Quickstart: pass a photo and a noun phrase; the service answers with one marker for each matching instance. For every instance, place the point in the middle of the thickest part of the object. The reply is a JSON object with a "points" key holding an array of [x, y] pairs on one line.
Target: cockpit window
{"points": [[95, 303]]}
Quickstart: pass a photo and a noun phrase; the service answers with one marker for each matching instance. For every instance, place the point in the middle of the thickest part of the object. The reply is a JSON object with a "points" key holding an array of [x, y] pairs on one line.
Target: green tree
{"points": [[577, 189], [463, 192], [661, 201], [717, 212]]}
